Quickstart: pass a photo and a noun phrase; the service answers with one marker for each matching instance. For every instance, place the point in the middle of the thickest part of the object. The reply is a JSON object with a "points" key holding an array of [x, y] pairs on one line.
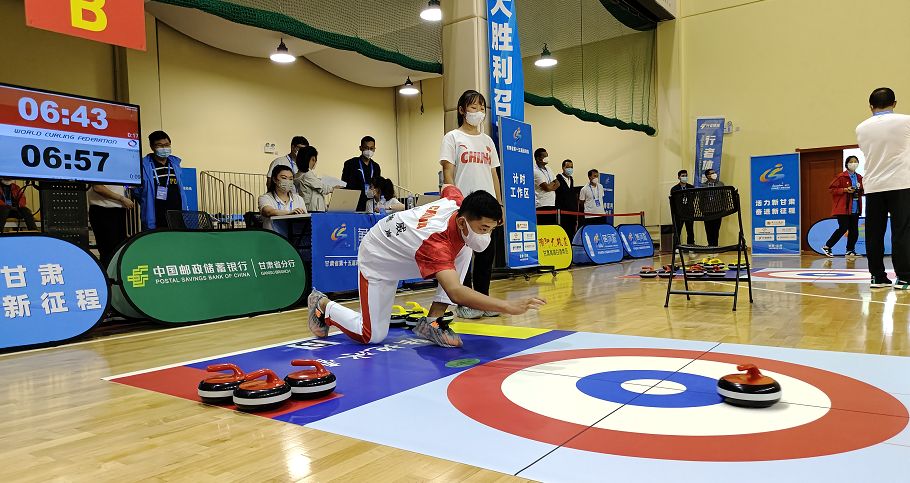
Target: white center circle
{"points": [[655, 387]]}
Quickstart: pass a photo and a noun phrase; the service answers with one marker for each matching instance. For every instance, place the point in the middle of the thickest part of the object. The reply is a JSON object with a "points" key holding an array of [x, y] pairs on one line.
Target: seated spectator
{"points": [[280, 200], [12, 203], [107, 205], [309, 185], [383, 197]]}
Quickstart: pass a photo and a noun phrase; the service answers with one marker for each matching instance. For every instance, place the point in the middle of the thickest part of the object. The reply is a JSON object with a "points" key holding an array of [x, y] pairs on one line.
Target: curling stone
{"points": [[257, 395], [219, 389], [749, 390], [696, 271], [399, 316], [742, 266], [310, 383], [716, 272], [665, 272], [647, 272]]}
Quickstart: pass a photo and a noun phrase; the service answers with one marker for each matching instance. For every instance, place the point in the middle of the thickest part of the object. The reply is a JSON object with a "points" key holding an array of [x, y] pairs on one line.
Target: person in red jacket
{"points": [[846, 194], [12, 202]]}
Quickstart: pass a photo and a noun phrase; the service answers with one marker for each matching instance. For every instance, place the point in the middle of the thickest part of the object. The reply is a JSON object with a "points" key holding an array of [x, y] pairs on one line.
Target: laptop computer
{"points": [[343, 201]]}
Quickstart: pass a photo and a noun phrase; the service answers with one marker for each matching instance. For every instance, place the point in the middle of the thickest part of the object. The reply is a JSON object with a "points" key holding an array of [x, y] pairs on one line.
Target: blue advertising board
{"points": [[608, 181], [709, 143], [507, 84], [775, 205], [51, 290], [822, 229], [636, 241], [188, 180], [335, 240], [597, 244], [518, 193]]}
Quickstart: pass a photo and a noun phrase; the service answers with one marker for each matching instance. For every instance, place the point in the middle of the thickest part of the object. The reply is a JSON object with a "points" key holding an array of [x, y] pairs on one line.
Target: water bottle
{"points": [[382, 205]]}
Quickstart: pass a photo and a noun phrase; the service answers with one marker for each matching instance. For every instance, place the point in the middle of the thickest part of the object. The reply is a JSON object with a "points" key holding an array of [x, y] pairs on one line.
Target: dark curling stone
{"points": [[257, 395], [219, 389], [749, 390], [310, 383]]}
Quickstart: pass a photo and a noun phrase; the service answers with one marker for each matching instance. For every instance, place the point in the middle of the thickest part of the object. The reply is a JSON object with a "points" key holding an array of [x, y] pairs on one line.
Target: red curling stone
{"points": [[219, 389], [310, 383], [257, 395], [750, 390]]}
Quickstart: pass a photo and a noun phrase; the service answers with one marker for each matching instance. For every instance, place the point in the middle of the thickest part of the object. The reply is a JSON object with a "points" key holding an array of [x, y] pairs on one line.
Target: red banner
{"points": [[117, 22]]}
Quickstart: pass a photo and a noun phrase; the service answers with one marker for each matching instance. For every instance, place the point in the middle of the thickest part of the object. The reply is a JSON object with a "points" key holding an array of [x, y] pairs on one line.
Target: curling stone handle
{"points": [[752, 369], [270, 376], [225, 367], [309, 363], [414, 306]]}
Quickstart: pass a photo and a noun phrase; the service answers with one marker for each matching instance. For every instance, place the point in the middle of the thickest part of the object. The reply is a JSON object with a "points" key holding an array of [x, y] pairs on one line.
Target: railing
{"points": [[227, 196], [239, 201]]}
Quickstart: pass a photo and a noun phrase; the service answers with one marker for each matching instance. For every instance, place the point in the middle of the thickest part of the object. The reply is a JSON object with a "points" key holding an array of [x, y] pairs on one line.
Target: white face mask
{"points": [[595, 182], [368, 153], [712, 177], [852, 166], [286, 184], [475, 241], [475, 118], [545, 160], [569, 171], [683, 179]]}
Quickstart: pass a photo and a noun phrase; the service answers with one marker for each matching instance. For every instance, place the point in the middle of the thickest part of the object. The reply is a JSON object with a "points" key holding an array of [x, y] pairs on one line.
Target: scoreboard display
{"points": [[48, 135]]}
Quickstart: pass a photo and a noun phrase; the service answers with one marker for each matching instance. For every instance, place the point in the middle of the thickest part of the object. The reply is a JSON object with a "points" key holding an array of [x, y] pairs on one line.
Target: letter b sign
{"points": [[116, 22]]}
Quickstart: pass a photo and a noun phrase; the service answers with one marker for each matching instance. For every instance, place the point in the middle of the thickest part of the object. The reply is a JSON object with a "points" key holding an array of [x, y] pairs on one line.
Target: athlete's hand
{"points": [[522, 305]]}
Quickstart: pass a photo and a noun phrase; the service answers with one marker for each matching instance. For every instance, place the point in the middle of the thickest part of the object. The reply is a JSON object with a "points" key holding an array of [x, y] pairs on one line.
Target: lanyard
{"points": [[546, 173], [291, 161], [593, 194], [364, 176], [882, 113], [290, 201]]}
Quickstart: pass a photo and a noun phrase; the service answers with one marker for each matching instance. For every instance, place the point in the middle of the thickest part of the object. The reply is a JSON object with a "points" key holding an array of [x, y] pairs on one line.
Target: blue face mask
{"points": [[684, 179], [162, 152], [569, 171]]}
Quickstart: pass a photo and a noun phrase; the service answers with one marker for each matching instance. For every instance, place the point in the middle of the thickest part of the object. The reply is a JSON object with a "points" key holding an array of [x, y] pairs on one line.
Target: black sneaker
{"points": [[851, 255], [827, 252], [902, 285], [882, 282]]}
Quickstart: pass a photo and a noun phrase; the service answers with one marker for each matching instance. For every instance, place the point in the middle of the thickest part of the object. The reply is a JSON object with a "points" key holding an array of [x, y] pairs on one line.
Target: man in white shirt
{"points": [[290, 159], [592, 194], [545, 185], [884, 139]]}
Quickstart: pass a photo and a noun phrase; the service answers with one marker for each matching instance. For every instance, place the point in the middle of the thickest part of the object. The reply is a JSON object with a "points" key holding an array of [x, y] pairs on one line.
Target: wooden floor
{"points": [[60, 422]]}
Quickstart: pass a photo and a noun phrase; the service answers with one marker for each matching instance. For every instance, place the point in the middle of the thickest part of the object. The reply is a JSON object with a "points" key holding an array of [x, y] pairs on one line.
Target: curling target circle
{"points": [[812, 275], [657, 410]]}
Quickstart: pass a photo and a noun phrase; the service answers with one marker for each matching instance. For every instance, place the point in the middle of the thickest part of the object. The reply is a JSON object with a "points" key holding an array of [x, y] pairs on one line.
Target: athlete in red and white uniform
{"points": [[429, 241]]}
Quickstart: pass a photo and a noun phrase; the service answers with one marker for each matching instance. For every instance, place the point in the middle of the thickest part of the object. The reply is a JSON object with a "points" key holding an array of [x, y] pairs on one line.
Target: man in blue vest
{"points": [[162, 187]]}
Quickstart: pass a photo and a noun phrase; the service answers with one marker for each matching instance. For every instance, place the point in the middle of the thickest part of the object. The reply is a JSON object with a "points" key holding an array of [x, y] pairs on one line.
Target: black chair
{"points": [[707, 204], [189, 220], [252, 219]]}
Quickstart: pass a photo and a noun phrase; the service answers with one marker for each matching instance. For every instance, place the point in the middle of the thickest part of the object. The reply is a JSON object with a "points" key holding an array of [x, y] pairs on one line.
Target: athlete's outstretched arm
{"points": [[461, 295]]}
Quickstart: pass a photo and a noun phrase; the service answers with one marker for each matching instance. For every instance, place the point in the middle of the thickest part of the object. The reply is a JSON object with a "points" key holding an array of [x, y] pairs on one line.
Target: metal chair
{"points": [[189, 220], [707, 204]]}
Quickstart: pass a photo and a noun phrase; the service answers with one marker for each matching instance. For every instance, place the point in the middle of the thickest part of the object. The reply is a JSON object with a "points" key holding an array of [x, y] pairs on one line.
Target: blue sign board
{"points": [[335, 241], [597, 244], [608, 181], [709, 142], [518, 193], [50, 289], [636, 241], [822, 229], [775, 205], [188, 180], [507, 89]]}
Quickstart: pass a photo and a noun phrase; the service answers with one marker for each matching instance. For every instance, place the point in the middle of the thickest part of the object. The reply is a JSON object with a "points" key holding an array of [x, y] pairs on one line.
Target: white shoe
{"points": [[468, 312]]}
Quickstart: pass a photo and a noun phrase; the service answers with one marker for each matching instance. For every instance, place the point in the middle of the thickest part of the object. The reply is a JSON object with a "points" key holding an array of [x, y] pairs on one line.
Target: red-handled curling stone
{"points": [[750, 390], [310, 383], [219, 389], [256, 395]]}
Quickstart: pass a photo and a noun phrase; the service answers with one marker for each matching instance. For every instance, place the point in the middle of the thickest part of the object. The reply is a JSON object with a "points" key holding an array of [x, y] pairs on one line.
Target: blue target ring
{"points": [[700, 390], [824, 274]]}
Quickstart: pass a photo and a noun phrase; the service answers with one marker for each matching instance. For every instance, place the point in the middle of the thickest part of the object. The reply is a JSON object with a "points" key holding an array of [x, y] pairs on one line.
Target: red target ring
{"points": [[477, 393]]}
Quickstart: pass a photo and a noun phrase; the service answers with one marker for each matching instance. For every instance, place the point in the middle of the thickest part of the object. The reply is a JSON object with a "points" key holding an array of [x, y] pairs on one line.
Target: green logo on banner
{"points": [[462, 363], [185, 276]]}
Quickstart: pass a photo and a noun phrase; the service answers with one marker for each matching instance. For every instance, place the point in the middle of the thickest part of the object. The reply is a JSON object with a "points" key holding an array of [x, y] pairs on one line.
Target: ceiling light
{"points": [[432, 13], [545, 60], [281, 55], [408, 88]]}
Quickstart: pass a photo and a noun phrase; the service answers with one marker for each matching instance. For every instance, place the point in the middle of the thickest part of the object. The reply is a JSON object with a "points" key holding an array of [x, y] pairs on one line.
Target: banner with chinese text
{"points": [[775, 205], [518, 193], [336, 240], [507, 84], [709, 142]]}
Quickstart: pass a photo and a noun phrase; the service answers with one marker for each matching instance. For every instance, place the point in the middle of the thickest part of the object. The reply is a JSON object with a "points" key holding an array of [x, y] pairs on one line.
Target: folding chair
{"points": [[707, 204], [189, 220]]}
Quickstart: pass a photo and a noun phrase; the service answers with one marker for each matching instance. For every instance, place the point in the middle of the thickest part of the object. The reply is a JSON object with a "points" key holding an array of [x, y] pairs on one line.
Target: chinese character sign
{"points": [[336, 241], [518, 193], [775, 205], [507, 90], [709, 141], [608, 181], [50, 290]]}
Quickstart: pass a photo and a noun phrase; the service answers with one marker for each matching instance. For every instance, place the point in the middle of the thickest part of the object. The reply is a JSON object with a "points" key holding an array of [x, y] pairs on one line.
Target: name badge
{"points": [[161, 193], [596, 202]]}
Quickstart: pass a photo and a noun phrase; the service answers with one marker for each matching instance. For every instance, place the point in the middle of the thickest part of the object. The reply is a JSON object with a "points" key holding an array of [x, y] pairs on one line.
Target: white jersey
{"points": [[415, 243], [474, 156], [885, 141]]}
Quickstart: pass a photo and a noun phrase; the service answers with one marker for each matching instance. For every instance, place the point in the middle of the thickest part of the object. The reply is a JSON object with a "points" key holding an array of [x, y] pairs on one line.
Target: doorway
{"points": [[817, 167]]}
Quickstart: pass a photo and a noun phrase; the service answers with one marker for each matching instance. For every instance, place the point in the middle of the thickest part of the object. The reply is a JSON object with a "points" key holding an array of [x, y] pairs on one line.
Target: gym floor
{"points": [[62, 420]]}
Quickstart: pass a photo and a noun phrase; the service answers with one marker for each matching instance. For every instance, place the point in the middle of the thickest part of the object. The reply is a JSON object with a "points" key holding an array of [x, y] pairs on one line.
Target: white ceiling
{"points": [[256, 42]]}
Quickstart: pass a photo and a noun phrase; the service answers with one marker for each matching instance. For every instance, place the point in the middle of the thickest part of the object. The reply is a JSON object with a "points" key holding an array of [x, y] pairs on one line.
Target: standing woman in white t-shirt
{"points": [[469, 161]]}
